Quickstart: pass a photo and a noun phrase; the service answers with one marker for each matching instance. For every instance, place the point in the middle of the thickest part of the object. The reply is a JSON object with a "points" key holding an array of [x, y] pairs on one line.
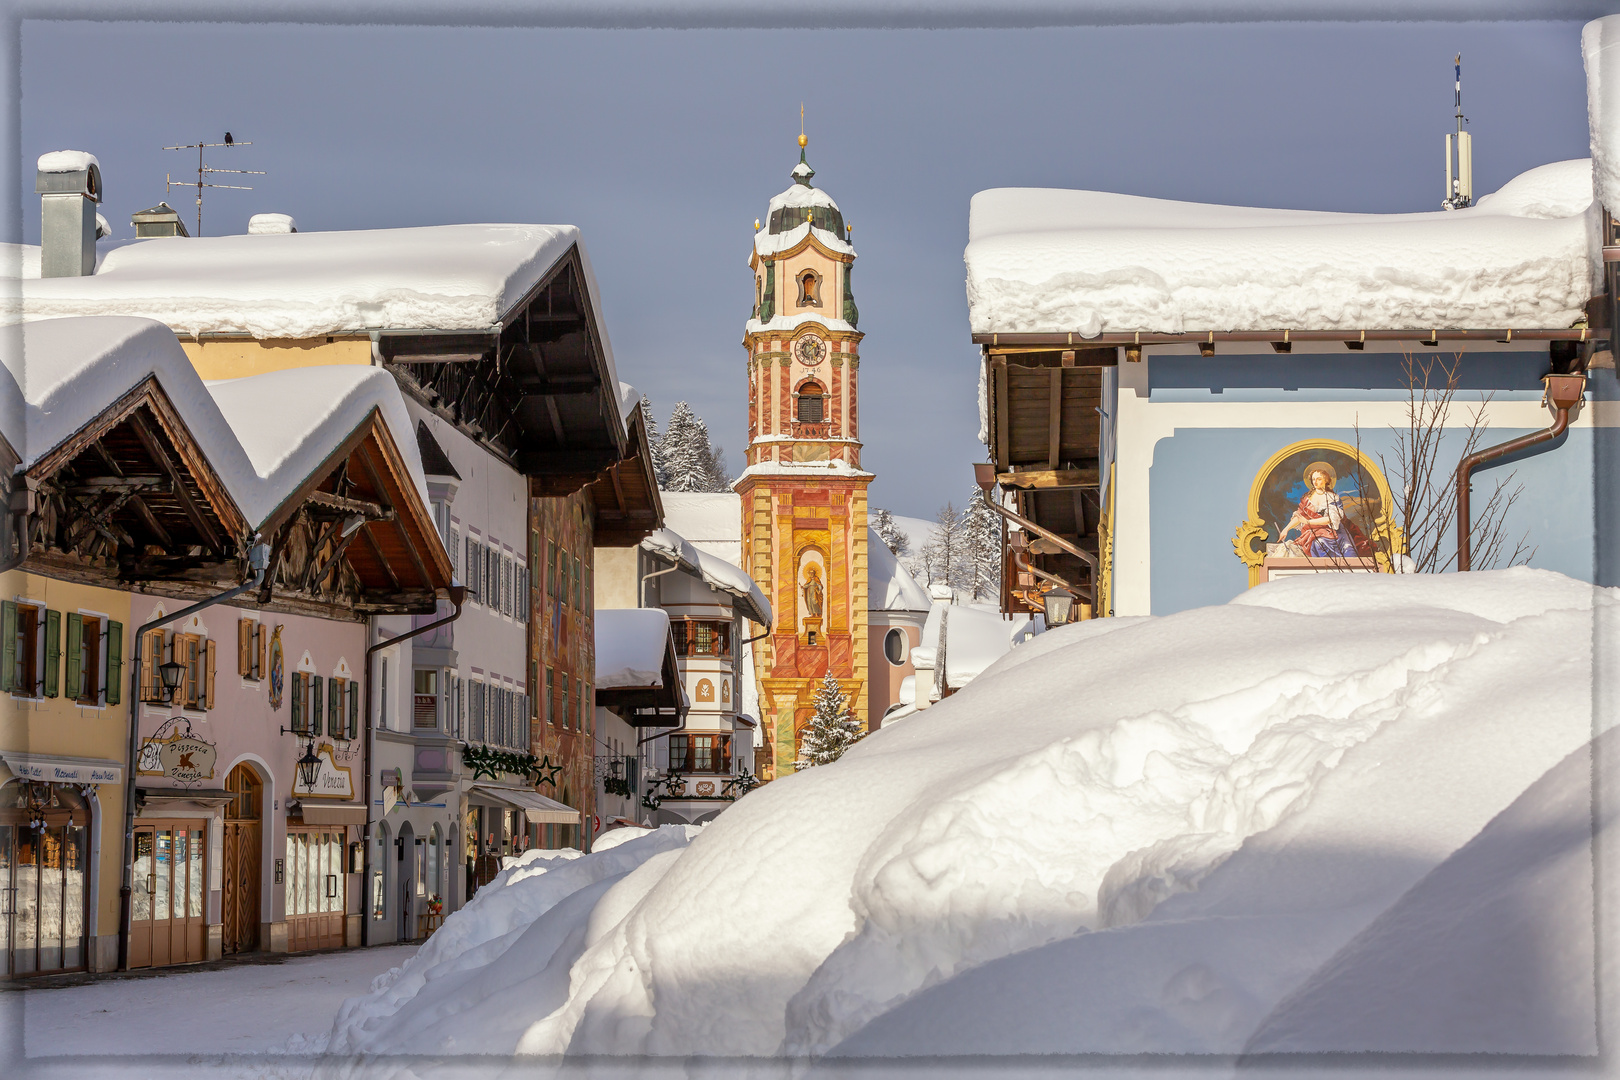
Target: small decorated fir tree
{"points": [[833, 729]]}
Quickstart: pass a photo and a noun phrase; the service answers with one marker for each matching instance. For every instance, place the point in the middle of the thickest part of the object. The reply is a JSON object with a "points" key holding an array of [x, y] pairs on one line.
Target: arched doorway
{"points": [[406, 880], [243, 853], [44, 848]]}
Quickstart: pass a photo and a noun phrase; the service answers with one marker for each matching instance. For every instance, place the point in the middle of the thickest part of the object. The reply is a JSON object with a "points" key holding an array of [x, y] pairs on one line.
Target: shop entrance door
{"points": [[317, 888], [166, 911], [44, 887], [243, 853]]}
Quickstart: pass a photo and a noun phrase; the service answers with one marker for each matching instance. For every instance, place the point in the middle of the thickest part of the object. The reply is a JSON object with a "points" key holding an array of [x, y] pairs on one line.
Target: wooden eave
{"points": [[130, 498], [628, 506], [535, 390], [396, 559]]}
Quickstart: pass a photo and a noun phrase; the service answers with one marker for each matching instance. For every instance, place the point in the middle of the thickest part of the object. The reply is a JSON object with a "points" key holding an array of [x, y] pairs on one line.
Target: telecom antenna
{"points": [[204, 170], [1459, 157]]}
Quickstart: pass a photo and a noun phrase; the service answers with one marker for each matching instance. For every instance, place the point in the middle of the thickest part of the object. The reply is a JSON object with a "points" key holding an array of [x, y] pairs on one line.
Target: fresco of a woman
{"points": [[1325, 530]]}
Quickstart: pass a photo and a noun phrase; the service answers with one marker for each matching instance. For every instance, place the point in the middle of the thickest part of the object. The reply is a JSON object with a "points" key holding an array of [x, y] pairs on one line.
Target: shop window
{"points": [[426, 710], [250, 649], [811, 404]]}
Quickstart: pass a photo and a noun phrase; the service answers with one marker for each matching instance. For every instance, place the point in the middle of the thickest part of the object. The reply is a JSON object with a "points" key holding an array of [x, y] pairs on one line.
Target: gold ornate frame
{"points": [[1386, 536]]}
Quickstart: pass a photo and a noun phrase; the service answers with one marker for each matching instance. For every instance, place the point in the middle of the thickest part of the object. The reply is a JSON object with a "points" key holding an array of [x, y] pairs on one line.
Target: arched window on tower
{"points": [[811, 403], [809, 289]]}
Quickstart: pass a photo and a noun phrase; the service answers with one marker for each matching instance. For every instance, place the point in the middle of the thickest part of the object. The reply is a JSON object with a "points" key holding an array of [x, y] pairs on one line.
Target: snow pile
{"points": [[1048, 260], [975, 636], [271, 224], [1128, 835], [1600, 50], [631, 644], [60, 161]]}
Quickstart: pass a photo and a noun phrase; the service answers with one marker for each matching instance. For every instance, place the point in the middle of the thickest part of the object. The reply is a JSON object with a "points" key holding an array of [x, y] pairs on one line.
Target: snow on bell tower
{"points": [[803, 491]]}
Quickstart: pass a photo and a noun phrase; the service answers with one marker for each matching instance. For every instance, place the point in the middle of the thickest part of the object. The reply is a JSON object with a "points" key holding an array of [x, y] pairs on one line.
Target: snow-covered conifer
{"points": [[833, 729], [981, 548], [650, 424], [897, 541], [690, 462]]}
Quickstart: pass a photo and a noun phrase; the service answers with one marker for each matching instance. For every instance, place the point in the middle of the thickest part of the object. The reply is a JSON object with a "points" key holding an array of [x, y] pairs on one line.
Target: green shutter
{"points": [[298, 702], [8, 645], [354, 709], [115, 662], [334, 708], [75, 658], [53, 653], [315, 685]]}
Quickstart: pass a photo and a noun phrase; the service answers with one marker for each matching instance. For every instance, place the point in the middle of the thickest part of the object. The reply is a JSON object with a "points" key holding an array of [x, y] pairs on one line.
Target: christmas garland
{"points": [[486, 761]]}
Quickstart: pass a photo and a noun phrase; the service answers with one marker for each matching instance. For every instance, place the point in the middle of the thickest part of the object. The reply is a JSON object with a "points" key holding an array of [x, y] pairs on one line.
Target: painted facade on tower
{"points": [[803, 491]]}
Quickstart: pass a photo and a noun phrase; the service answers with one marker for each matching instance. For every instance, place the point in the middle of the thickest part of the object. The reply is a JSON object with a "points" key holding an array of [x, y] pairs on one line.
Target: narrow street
{"points": [[128, 1026]]}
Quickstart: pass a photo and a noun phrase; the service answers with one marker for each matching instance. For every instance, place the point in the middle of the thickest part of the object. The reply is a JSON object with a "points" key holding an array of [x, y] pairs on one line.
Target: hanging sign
{"points": [[176, 752], [332, 781]]}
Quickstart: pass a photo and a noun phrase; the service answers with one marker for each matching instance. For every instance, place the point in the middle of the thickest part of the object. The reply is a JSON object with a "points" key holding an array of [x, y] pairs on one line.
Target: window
{"points": [[452, 547], [895, 646], [551, 692], [699, 637], [579, 577], [691, 753], [551, 569], [382, 698], [475, 713], [308, 702], [25, 636], [811, 403], [84, 671], [426, 711], [809, 289], [567, 716], [196, 653], [250, 649]]}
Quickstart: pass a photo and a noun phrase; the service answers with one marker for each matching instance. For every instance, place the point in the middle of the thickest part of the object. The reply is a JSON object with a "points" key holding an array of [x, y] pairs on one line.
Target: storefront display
{"points": [[44, 886]]}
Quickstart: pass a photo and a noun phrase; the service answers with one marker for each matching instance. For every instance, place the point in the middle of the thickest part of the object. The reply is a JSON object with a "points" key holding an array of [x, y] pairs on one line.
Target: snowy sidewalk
{"points": [[187, 1016]]}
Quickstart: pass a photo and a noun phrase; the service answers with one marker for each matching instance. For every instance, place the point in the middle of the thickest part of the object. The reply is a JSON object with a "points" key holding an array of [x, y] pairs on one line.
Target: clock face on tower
{"points": [[810, 350]]}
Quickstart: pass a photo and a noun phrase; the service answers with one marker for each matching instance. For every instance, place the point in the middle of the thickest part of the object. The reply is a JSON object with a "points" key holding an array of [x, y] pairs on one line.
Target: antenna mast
{"points": [[204, 170], [1459, 156]]}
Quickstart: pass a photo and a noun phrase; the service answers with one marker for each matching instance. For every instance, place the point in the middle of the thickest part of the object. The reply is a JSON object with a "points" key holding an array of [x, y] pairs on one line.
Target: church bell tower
{"points": [[803, 491]]}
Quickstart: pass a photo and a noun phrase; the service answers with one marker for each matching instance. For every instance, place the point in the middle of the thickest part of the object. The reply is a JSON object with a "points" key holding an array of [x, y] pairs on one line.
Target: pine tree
{"points": [[893, 538], [690, 462], [650, 423], [833, 729], [943, 557], [981, 543]]}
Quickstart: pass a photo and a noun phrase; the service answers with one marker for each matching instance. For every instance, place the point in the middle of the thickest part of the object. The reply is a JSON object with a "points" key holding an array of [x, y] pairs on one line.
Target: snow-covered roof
{"points": [[704, 517], [631, 644], [1043, 260], [289, 422], [890, 586], [975, 638], [715, 571], [307, 284], [766, 243], [1600, 49], [629, 398], [804, 469], [788, 323], [264, 435], [59, 161]]}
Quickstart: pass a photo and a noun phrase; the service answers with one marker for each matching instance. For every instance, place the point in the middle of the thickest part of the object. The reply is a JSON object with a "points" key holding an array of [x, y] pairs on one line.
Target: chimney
{"points": [[159, 220], [69, 187]]}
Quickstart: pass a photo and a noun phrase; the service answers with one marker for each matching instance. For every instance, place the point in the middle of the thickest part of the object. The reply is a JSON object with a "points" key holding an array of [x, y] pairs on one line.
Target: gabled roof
{"points": [[716, 572]]}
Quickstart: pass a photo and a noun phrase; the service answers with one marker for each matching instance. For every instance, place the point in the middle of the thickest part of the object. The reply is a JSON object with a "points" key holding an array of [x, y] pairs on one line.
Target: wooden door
{"points": [[242, 854], [317, 888], [167, 924]]}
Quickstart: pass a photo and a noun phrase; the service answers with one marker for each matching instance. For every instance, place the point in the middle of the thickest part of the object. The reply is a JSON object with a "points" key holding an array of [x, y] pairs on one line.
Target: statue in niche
{"points": [[814, 593]]}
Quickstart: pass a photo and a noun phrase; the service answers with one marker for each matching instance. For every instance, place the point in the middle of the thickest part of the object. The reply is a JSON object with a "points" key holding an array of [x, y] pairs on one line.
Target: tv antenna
{"points": [[203, 171], [1459, 156]]}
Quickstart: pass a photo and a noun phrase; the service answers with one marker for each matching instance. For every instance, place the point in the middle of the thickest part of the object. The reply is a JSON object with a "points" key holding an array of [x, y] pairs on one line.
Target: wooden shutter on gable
{"points": [[208, 696], [115, 662], [314, 704], [52, 675], [298, 703], [8, 645], [244, 646], [75, 646]]}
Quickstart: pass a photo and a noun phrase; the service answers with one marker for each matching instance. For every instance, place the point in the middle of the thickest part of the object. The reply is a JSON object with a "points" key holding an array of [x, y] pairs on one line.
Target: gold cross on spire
{"points": [[802, 139]]}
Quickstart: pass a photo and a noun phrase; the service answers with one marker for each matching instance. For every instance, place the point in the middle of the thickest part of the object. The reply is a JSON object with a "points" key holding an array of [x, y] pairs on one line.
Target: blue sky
{"points": [[664, 145]]}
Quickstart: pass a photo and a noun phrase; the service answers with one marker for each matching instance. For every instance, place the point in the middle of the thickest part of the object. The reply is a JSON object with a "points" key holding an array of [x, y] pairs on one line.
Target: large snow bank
{"points": [[1090, 262], [1128, 835]]}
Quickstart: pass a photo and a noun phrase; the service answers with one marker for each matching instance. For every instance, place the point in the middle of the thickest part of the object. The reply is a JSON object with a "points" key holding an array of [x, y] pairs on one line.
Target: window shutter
{"points": [[298, 702], [115, 663], [315, 685], [75, 646], [244, 647], [259, 636], [52, 674], [334, 707], [147, 647], [354, 709], [8, 645], [208, 689]]}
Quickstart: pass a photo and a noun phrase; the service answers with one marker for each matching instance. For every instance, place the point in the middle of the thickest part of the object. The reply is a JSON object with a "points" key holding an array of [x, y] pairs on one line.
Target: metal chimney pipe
{"points": [[68, 183]]}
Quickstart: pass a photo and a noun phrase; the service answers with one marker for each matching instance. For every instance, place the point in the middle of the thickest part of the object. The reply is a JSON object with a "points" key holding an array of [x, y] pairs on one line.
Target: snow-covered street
{"points": [[128, 1026]]}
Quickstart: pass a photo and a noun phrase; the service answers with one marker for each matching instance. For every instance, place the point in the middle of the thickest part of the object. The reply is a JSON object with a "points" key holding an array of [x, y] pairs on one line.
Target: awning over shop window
{"points": [[315, 814], [60, 769], [536, 807], [145, 796]]}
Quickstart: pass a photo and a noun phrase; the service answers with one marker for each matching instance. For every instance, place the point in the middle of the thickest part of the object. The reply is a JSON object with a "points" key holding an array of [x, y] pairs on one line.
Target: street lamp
{"points": [[309, 766], [172, 673], [1059, 604]]}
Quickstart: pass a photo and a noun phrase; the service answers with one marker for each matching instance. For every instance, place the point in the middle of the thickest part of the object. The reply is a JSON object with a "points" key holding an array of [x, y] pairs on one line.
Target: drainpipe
{"points": [[258, 560], [20, 510], [1029, 526], [458, 596], [1563, 394]]}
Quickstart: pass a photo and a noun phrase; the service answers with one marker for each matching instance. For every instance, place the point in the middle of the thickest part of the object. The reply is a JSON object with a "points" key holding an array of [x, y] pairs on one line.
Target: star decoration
{"points": [[546, 772]]}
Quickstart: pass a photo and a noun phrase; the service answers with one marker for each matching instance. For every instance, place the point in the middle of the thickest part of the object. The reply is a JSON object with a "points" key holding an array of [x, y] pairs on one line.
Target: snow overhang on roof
{"points": [[716, 572], [637, 672], [452, 306], [1047, 261], [890, 586]]}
